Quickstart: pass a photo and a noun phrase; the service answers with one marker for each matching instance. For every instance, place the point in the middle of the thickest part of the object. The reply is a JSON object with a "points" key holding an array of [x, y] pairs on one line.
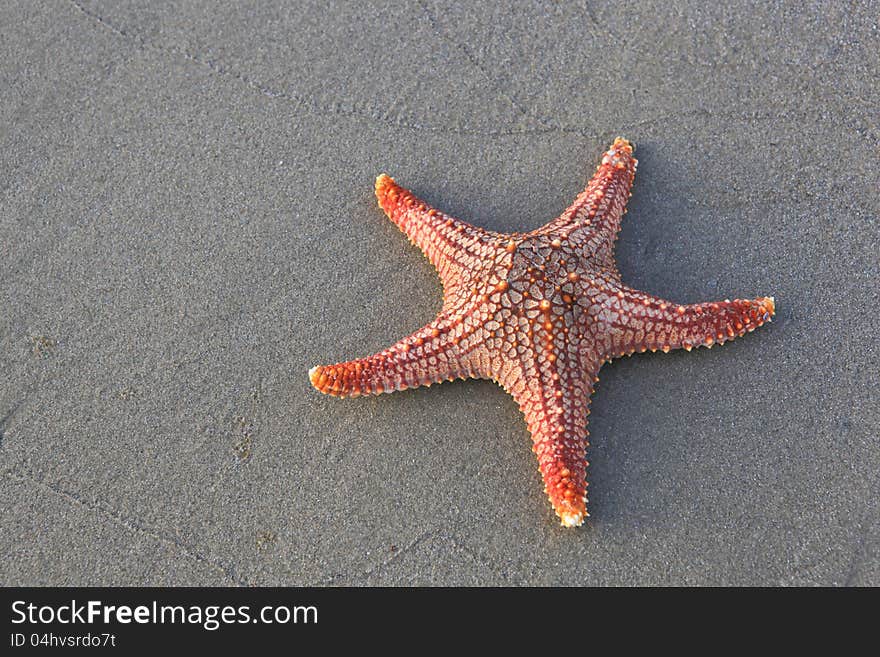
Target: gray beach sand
{"points": [[187, 225]]}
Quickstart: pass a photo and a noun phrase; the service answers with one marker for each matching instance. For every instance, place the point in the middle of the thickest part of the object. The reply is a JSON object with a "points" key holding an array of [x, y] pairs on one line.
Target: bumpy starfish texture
{"points": [[539, 313]]}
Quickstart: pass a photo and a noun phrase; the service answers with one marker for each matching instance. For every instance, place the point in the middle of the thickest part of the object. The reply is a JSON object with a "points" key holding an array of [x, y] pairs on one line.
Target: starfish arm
{"points": [[425, 357], [597, 211], [639, 322], [450, 244], [555, 404]]}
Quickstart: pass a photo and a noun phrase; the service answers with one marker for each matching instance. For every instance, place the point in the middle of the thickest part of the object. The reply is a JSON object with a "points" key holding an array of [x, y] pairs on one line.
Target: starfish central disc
{"points": [[538, 313]]}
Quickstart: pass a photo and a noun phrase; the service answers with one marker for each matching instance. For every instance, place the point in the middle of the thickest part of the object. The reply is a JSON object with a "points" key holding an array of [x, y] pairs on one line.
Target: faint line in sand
{"points": [[134, 525]]}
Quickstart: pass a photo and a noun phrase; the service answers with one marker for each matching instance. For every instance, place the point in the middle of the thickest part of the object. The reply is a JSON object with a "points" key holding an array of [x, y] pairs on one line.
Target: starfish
{"points": [[538, 313]]}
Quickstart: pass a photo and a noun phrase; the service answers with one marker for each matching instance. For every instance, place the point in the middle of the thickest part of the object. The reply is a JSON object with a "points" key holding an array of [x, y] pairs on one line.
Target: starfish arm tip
{"points": [[334, 380], [623, 142], [315, 378], [572, 518], [384, 182]]}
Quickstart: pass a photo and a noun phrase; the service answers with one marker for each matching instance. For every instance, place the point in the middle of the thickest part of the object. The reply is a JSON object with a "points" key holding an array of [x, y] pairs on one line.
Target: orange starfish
{"points": [[539, 313]]}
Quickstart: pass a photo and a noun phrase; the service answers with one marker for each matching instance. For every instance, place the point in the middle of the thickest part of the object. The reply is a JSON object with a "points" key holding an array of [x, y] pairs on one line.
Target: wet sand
{"points": [[187, 225]]}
